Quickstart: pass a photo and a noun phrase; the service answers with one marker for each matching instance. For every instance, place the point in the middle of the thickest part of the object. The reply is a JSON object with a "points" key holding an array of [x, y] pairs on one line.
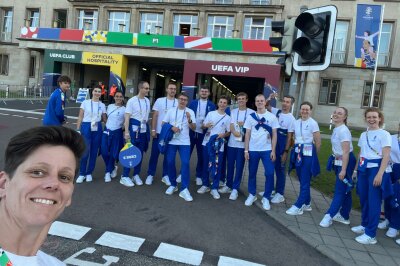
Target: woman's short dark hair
{"points": [[63, 78], [306, 103], [26, 142]]}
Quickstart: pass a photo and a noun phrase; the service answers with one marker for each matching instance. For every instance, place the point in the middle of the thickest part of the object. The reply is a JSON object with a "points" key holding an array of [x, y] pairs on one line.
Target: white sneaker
{"points": [[80, 179], [294, 211], [234, 195], [185, 194], [214, 193], [114, 172], [137, 180], [265, 204], [384, 224], [199, 182], [398, 241], [89, 178], [149, 180], [326, 221], [126, 181], [359, 229], [165, 180], [224, 190], [179, 179], [107, 178], [171, 190], [261, 194], [221, 183], [366, 240], [203, 189], [306, 208], [392, 233], [250, 200], [278, 198], [339, 218]]}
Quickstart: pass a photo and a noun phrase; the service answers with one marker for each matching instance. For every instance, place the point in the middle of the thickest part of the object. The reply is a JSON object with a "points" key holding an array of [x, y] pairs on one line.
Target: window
{"points": [[6, 25], [4, 64], [87, 20], [220, 26], [384, 46], [185, 24], [60, 19], [32, 67], [329, 92], [189, 1], [223, 2], [119, 21], [33, 17], [258, 28], [149, 21], [339, 43], [378, 95], [261, 2]]}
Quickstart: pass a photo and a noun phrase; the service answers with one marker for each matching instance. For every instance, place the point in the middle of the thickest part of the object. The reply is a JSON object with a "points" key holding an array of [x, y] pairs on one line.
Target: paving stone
{"points": [[305, 220], [394, 252], [327, 231], [344, 233], [317, 237], [332, 241], [397, 260], [352, 244], [343, 252], [362, 256], [383, 260], [378, 249], [308, 228]]}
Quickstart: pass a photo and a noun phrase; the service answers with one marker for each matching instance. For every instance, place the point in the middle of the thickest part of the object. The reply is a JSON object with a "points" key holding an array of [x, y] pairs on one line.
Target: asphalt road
{"points": [[216, 227]]}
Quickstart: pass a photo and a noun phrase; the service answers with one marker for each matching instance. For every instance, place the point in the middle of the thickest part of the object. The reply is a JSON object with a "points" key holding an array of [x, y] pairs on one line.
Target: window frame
{"points": [[389, 48], [346, 43], [81, 20], [30, 15], [266, 26], [229, 27], [32, 66], [175, 25], [328, 97], [381, 96], [2, 73], [6, 36], [126, 20], [153, 30]]}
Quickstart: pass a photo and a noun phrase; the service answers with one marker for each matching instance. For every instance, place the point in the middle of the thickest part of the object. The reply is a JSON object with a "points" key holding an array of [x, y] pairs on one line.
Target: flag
{"points": [[367, 34]]}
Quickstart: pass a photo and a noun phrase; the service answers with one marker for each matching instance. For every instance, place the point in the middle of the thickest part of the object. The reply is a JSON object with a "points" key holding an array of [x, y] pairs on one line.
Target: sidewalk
{"points": [[337, 242]]}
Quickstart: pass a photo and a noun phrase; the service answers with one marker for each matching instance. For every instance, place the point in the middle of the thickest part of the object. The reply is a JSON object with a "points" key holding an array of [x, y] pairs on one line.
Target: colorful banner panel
{"points": [[120, 38], [95, 36], [29, 32], [367, 33], [156, 40], [71, 35], [227, 44]]}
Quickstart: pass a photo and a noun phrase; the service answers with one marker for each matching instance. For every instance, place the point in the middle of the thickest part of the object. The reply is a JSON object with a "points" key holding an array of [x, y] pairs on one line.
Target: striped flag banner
{"points": [[195, 42]]}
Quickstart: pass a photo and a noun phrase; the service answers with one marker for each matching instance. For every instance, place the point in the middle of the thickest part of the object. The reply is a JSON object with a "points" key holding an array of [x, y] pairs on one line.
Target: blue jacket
{"points": [[54, 114], [193, 105], [165, 136]]}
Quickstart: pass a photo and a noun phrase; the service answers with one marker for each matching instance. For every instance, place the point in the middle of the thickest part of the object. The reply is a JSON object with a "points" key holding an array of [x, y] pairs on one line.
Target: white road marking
{"points": [[78, 262], [31, 117], [18, 115], [125, 242], [180, 254], [4, 114], [67, 230], [227, 261], [30, 112]]}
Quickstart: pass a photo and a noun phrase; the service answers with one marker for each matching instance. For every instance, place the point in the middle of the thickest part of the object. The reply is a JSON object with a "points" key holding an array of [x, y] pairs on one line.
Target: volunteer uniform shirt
{"points": [[238, 116], [221, 124], [377, 139], [138, 109], [304, 130], [162, 105], [54, 114], [41, 259], [178, 118], [340, 134], [115, 117], [200, 115], [286, 121], [395, 150], [92, 111], [261, 140]]}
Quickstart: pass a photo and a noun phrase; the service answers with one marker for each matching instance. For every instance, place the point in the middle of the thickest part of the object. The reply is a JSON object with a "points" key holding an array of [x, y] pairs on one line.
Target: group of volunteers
{"points": [[225, 139]]}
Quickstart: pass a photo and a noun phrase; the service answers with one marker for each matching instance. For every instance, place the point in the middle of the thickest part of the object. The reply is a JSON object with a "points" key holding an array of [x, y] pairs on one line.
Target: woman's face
{"points": [[373, 120], [96, 93], [118, 98], [41, 186], [338, 116]]}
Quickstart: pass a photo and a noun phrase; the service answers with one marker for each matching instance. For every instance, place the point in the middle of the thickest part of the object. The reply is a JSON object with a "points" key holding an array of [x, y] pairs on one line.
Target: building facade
{"points": [[220, 42]]}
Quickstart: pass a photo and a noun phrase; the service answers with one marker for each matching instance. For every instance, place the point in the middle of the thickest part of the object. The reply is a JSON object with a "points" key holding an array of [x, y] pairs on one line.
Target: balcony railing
{"points": [[189, 1], [383, 59], [223, 2], [261, 2], [338, 57], [5, 37]]}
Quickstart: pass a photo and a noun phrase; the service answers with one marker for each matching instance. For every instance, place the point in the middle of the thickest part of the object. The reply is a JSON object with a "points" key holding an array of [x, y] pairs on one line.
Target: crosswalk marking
{"points": [[227, 261], [67, 230], [125, 242], [180, 254]]}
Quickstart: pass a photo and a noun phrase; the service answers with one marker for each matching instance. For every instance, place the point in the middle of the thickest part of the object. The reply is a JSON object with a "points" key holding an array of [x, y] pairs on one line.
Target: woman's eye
{"points": [[37, 173], [66, 178]]}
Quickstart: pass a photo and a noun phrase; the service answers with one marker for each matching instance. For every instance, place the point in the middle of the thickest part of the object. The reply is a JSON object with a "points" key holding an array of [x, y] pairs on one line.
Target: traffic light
{"points": [[313, 45], [286, 28]]}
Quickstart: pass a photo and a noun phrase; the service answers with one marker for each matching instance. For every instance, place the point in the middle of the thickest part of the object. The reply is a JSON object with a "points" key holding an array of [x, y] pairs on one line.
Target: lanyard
{"points": [[237, 116], [166, 103], [183, 116], [114, 110], [375, 151], [91, 108], [140, 106], [199, 108], [4, 260], [219, 120]]}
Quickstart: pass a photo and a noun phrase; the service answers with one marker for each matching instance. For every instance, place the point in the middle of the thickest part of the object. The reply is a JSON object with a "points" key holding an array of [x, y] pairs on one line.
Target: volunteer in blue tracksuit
{"points": [[286, 122], [181, 119], [137, 129], [235, 150], [342, 161], [201, 108], [91, 114], [113, 138], [54, 114], [392, 213], [160, 108], [217, 124], [373, 183], [260, 144], [304, 157]]}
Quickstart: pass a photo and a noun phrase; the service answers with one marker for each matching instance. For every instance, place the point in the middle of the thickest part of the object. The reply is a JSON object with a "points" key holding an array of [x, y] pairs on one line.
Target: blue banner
{"points": [[367, 34]]}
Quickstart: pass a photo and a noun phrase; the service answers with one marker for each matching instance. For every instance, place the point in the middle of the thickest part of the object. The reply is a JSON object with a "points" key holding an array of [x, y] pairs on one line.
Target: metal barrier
{"points": [[20, 92]]}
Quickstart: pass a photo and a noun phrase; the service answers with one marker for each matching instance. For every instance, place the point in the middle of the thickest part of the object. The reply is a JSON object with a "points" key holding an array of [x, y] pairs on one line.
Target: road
{"points": [[214, 229]]}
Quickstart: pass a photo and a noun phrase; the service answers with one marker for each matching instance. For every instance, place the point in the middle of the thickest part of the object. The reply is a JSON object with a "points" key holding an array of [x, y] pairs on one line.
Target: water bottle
{"points": [[216, 144], [349, 185]]}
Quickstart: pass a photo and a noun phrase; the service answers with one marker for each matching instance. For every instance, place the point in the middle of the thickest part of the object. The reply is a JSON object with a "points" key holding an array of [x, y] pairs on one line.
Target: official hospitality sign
{"points": [[367, 35]]}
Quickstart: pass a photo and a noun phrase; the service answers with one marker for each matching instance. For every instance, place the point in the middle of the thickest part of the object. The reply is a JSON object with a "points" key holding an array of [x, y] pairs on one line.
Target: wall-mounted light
{"points": [[158, 29], [121, 27], [148, 29], [235, 33], [144, 69], [196, 31], [27, 22]]}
